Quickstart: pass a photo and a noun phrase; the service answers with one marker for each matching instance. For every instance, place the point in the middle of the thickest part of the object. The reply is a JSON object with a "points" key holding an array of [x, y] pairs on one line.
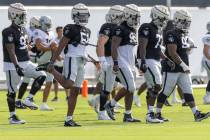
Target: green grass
{"points": [[49, 125]]}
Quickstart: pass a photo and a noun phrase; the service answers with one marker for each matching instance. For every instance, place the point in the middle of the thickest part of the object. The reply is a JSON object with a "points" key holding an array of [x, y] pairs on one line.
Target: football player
{"points": [[44, 40], [124, 40], [34, 24], [206, 62], [114, 17], [150, 40], [16, 59], [75, 39], [177, 48]]}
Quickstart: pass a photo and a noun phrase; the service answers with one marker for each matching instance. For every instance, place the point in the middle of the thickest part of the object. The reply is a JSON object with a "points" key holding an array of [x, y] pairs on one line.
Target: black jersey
{"points": [[181, 40], [127, 34], [150, 31], [107, 29], [18, 37]]}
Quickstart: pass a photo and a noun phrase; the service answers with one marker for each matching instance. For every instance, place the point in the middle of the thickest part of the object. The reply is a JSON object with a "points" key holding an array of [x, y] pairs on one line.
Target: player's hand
{"points": [[185, 68], [115, 69], [170, 63], [143, 66], [20, 71], [50, 67]]}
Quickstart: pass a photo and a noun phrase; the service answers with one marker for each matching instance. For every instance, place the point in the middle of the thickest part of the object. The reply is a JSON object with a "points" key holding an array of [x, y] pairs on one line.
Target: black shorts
{"points": [[59, 69]]}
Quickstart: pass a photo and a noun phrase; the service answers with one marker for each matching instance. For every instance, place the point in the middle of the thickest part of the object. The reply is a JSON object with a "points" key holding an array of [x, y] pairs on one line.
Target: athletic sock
{"points": [[128, 112], [113, 102], [194, 109], [68, 118], [158, 110], [150, 109], [12, 113], [208, 93], [183, 100]]}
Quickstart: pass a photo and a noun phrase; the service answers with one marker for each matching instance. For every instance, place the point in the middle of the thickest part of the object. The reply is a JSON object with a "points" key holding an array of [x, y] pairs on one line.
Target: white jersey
{"points": [[126, 56], [79, 51], [46, 39], [206, 41], [30, 32]]}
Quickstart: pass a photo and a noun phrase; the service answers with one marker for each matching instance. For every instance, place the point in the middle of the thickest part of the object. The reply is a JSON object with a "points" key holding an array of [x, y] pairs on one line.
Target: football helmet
{"points": [[160, 15], [45, 23], [132, 15], [17, 14], [80, 14], [182, 20], [34, 22], [208, 26], [115, 14]]}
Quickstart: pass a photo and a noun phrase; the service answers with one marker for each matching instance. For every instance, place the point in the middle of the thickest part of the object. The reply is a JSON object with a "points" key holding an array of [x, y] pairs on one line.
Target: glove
{"points": [[143, 66], [185, 68], [170, 63], [103, 62], [19, 70]]}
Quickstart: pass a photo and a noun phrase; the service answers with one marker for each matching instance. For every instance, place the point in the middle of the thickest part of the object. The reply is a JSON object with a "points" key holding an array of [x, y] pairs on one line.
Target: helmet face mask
{"points": [[208, 27], [17, 14], [115, 15], [80, 14], [35, 22], [45, 23]]}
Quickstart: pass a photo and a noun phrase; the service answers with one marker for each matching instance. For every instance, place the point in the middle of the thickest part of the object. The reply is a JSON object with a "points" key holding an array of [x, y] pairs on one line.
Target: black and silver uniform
{"points": [[127, 34], [18, 36], [77, 35], [107, 29], [179, 38], [150, 31]]}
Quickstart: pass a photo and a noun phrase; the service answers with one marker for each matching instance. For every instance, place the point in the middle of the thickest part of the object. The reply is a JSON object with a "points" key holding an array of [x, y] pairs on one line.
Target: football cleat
{"points": [[201, 116], [71, 123], [15, 120], [45, 107], [20, 105], [55, 99], [118, 106], [110, 110], [150, 118], [102, 115], [136, 100], [29, 102], [42, 67], [129, 118], [167, 103], [206, 99], [184, 104], [160, 117]]}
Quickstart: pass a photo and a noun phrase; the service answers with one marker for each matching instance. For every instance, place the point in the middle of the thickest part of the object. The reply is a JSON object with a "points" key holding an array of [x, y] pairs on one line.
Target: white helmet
{"points": [[132, 15], [45, 23], [208, 26], [115, 14], [182, 20], [160, 15], [17, 14], [80, 14], [35, 22]]}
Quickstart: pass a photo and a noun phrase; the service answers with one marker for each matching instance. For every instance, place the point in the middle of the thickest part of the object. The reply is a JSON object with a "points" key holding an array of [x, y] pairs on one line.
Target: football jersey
{"points": [[206, 41], [126, 56], [18, 37], [46, 39], [179, 38], [107, 29], [79, 37], [150, 32]]}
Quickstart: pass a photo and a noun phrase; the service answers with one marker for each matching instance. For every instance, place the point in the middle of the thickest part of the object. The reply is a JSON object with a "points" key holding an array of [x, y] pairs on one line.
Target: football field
{"points": [[49, 125]]}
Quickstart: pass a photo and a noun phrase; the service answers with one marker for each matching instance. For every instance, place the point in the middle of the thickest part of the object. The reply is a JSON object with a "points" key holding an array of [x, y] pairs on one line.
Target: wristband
{"points": [[102, 59], [115, 62]]}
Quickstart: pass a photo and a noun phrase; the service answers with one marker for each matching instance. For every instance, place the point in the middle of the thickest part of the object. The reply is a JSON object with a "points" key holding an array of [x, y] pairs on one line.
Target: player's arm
{"points": [[41, 46], [102, 40], [11, 51], [142, 47], [116, 40], [206, 51], [54, 47]]}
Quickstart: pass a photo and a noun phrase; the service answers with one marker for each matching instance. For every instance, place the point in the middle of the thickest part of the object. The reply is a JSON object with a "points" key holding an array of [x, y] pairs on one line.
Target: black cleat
{"points": [[15, 120], [167, 103], [184, 104], [201, 116], [160, 117], [42, 67], [110, 110], [129, 118], [20, 105], [71, 123]]}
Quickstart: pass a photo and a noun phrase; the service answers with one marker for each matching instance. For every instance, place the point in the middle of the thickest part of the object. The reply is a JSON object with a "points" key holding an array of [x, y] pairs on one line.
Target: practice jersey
{"points": [[206, 41], [17, 36], [181, 40], [107, 29], [126, 56], [79, 37], [46, 39]]}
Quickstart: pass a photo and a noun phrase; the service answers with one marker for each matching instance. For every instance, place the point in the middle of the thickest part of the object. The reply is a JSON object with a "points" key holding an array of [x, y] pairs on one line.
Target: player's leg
{"points": [[13, 80], [206, 98], [185, 83]]}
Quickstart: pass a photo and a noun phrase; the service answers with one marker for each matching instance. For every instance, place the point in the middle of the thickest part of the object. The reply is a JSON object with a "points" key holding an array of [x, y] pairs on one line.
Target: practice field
{"points": [[49, 125]]}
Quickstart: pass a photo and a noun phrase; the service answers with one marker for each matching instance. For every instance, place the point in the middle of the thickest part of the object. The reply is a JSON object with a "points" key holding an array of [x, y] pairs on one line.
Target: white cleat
{"points": [[136, 100], [15, 120], [29, 102], [96, 104], [118, 106], [206, 99], [102, 115], [45, 107], [150, 118]]}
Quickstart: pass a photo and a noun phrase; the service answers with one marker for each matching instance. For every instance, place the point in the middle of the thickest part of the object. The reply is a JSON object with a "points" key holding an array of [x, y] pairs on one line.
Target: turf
{"points": [[49, 125]]}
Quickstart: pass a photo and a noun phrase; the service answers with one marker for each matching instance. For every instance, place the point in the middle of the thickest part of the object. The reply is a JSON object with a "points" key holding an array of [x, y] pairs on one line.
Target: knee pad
{"points": [[40, 80], [157, 88], [188, 97], [152, 93], [161, 98]]}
